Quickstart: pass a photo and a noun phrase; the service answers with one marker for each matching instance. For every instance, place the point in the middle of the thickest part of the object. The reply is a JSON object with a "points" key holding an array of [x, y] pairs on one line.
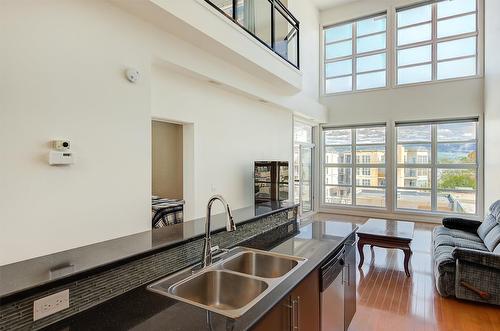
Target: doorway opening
{"points": [[167, 173]]}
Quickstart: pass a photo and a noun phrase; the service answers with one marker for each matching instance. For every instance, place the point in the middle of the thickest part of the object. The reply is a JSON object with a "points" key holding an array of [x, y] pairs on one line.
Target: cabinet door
{"points": [[350, 284], [278, 318], [305, 304]]}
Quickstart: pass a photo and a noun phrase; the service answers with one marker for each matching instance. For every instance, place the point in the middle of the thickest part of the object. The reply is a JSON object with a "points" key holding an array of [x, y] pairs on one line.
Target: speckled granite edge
{"points": [[95, 289]]}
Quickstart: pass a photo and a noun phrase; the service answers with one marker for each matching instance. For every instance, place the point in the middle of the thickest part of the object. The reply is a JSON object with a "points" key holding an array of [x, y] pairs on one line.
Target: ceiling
{"points": [[324, 4]]}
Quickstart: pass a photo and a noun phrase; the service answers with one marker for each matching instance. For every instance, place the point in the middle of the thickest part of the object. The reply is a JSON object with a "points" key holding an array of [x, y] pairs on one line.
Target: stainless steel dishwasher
{"points": [[332, 293]]}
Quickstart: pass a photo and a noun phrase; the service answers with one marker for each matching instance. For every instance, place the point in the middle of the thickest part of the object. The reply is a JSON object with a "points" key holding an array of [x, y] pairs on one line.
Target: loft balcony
{"points": [[258, 38], [268, 21]]}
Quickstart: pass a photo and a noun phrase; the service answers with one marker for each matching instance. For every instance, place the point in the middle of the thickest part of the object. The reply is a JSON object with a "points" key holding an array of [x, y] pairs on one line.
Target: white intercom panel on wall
{"points": [[61, 154]]}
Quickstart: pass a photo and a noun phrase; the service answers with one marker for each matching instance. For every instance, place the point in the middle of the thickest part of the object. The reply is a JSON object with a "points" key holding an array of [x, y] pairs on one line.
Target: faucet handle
{"points": [[217, 249]]}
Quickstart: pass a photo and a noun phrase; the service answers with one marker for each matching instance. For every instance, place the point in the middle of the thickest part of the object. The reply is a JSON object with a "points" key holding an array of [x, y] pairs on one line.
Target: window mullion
{"points": [[354, 166], [434, 41], [434, 168], [456, 15], [338, 59], [354, 55]]}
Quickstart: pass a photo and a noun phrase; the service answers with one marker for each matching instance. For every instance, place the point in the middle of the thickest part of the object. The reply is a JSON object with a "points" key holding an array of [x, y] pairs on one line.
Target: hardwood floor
{"points": [[389, 301]]}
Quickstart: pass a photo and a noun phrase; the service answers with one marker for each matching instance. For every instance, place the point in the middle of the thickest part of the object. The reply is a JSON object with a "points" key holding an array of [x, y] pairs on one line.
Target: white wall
{"points": [[62, 66], [230, 133], [308, 17], [421, 102], [432, 101], [492, 102]]}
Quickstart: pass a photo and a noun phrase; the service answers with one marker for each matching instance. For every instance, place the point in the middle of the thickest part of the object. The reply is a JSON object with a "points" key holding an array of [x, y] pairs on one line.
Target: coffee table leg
{"points": [[361, 255], [408, 253]]}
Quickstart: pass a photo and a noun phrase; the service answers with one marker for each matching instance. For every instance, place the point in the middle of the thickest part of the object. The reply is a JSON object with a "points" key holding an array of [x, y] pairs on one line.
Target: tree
{"points": [[458, 179]]}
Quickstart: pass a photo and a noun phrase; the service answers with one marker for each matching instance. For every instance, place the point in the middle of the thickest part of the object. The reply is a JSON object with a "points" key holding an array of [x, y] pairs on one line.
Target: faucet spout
{"points": [[230, 226]]}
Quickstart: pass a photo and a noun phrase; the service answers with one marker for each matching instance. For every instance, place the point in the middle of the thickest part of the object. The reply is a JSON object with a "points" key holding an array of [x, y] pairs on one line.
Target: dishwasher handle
{"points": [[331, 261], [331, 270]]}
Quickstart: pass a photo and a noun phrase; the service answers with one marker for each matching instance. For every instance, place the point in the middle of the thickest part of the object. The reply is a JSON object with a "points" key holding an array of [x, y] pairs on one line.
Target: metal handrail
{"points": [[276, 5]]}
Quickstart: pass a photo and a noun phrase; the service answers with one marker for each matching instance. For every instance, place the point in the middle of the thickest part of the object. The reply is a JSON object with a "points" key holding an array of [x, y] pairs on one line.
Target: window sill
{"points": [[396, 87], [419, 216]]}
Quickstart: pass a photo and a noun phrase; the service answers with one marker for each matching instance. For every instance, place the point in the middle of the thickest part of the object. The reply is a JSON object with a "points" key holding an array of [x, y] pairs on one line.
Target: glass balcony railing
{"points": [[269, 21]]}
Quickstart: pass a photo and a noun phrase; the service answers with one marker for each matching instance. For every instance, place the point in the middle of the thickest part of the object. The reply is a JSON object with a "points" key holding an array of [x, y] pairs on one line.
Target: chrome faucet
{"points": [[207, 248]]}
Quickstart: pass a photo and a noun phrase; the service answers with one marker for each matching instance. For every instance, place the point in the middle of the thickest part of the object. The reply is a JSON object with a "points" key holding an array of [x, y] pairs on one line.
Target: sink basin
{"points": [[231, 286], [260, 265], [220, 290]]}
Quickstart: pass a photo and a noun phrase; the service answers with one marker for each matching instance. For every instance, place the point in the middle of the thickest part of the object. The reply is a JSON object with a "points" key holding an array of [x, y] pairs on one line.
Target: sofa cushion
{"points": [[492, 239], [448, 240], [441, 230], [497, 249], [490, 221], [495, 209]]}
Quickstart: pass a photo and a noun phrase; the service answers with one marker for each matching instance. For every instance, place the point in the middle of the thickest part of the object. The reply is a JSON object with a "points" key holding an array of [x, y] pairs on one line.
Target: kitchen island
{"points": [[142, 310]]}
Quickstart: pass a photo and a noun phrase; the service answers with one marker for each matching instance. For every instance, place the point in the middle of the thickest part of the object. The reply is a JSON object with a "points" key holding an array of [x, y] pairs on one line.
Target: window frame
{"points": [[391, 177], [391, 65], [434, 166], [354, 166], [354, 55], [434, 41]]}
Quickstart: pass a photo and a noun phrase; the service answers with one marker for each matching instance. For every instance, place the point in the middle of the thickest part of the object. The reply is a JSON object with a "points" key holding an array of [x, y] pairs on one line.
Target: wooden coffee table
{"points": [[386, 234]]}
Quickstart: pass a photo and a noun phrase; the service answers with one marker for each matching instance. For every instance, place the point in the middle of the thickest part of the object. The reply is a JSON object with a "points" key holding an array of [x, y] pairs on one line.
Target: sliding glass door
{"points": [[303, 156]]}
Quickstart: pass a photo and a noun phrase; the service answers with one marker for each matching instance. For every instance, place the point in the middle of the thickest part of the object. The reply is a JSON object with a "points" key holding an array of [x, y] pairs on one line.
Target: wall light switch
{"points": [[50, 304]]}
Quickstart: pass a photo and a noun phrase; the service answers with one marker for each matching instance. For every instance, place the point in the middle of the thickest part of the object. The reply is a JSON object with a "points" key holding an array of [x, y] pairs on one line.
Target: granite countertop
{"points": [[22, 276], [142, 310]]}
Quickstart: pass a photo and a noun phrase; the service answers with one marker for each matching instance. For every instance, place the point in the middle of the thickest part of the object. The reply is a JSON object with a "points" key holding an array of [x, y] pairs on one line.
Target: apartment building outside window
{"points": [[437, 167], [358, 180], [437, 41], [355, 55]]}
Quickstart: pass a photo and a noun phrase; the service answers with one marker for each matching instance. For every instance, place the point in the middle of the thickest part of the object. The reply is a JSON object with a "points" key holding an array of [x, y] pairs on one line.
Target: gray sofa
{"points": [[467, 257]]}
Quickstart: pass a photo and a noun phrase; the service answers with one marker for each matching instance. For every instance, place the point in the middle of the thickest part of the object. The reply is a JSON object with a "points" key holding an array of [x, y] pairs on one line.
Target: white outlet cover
{"points": [[51, 304]]}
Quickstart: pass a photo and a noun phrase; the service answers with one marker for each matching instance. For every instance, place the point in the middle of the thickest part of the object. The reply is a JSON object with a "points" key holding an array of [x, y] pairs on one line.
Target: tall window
{"points": [[437, 41], [358, 180], [356, 55], [437, 167]]}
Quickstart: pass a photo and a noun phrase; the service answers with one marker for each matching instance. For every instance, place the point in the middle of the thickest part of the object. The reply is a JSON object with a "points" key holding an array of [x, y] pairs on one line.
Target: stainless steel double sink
{"points": [[232, 285]]}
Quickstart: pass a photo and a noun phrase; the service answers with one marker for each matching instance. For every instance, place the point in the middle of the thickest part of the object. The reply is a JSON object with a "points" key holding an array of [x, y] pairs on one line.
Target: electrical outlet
{"points": [[50, 304]]}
